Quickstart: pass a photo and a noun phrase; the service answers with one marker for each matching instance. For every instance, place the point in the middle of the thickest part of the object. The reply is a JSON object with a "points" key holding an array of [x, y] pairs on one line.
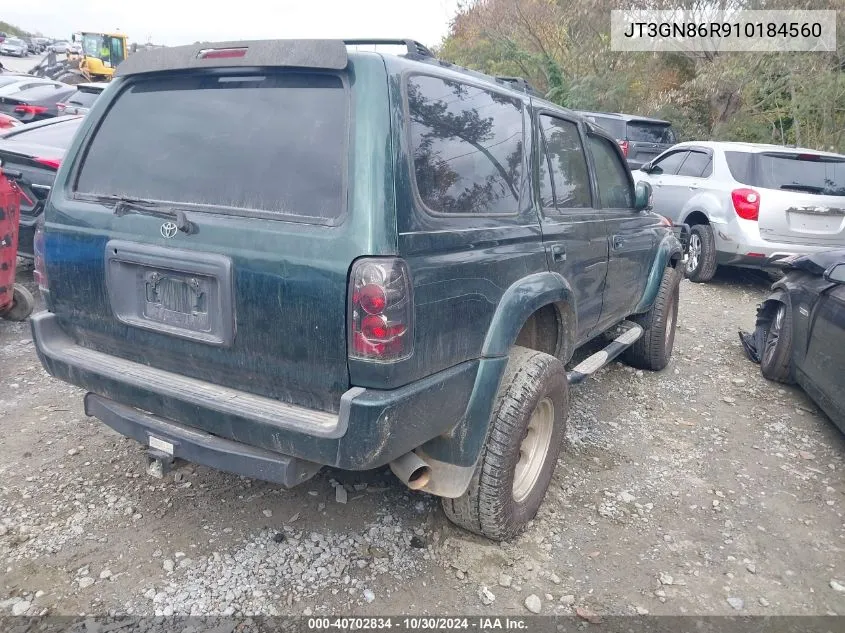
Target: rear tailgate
{"points": [[647, 140], [802, 197], [251, 292]]}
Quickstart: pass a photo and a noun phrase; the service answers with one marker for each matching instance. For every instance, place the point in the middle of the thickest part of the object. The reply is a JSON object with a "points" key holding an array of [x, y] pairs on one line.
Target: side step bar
{"points": [[626, 334]]}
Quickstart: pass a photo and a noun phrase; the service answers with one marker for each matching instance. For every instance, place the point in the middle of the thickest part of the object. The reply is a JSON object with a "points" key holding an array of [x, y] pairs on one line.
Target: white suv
{"points": [[749, 204]]}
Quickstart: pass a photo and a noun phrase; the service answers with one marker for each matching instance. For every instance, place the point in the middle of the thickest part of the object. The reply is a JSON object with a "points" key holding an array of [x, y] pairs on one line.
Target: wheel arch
{"points": [[453, 456], [696, 216]]}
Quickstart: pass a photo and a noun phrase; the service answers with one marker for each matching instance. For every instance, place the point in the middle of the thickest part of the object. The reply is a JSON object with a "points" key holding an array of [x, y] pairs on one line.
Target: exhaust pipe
{"points": [[411, 471]]}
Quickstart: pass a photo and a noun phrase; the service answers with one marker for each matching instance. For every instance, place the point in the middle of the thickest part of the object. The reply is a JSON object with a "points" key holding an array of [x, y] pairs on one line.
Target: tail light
{"points": [[221, 53], [52, 163], [746, 203], [381, 310], [30, 109], [40, 271], [624, 146]]}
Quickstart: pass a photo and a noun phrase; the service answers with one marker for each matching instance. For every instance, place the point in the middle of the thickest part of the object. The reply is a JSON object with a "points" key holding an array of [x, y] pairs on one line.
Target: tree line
{"points": [[563, 48]]}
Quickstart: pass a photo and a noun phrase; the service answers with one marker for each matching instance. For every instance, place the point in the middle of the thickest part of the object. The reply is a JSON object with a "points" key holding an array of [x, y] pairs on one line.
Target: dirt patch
{"points": [[703, 489]]}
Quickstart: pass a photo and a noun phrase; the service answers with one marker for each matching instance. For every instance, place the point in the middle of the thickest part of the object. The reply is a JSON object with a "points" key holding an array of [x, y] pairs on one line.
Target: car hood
{"points": [[815, 263]]}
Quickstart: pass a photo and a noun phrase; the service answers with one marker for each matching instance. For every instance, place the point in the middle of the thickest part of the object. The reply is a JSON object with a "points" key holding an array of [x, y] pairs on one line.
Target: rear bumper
{"points": [[738, 243], [371, 428], [199, 447]]}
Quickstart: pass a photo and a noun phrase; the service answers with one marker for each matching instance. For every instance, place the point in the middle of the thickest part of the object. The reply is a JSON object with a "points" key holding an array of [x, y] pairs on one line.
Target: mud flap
{"points": [[754, 343]]}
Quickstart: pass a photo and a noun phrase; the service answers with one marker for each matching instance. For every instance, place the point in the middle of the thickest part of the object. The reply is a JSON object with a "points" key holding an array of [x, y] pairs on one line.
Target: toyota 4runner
{"points": [[273, 256]]}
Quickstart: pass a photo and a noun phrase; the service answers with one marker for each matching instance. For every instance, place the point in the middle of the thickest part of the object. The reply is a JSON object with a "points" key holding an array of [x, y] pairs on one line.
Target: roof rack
{"points": [[414, 47], [519, 83]]}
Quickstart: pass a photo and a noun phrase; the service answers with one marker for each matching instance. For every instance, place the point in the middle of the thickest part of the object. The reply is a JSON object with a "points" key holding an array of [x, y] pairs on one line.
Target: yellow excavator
{"points": [[95, 58]]}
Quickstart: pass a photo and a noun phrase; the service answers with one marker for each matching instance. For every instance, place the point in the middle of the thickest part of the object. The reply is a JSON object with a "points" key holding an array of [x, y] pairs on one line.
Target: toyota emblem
{"points": [[168, 229]]}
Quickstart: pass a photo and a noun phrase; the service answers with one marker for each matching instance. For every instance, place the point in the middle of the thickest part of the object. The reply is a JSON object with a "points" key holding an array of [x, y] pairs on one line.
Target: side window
{"points": [[669, 164], [695, 165], [467, 147], [567, 164], [615, 190]]}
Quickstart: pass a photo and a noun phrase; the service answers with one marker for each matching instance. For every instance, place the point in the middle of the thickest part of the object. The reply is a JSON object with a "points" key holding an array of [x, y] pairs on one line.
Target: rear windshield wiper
{"points": [[808, 188], [123, 205]]}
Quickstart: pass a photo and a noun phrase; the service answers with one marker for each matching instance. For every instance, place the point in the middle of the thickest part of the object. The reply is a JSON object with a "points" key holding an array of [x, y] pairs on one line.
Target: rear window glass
{"points": [[468, 147], [84, 98], [616, 127], [810, 173], [650, 132], [58, 134], [271, 143]]}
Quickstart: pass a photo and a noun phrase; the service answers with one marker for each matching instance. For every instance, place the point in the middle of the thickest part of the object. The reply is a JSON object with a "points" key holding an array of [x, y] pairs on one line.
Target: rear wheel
{"points": [[523, 443], [776, 361], [701, 261]]}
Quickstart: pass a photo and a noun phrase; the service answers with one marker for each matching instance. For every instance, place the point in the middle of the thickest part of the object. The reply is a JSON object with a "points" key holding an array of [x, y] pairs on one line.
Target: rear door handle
{"points": [[618, 241], [558, 253]]}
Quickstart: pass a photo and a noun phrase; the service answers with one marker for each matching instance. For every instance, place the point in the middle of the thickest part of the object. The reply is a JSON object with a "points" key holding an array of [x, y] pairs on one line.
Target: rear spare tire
{"points": [[526, 432], [22, 304]]}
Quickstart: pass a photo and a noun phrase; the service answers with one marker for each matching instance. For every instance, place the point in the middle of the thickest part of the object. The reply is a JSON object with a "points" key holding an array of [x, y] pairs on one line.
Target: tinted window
{"points": [[568, 164], [58, 134], [615, 191], [273, 143], [616, 127], [468, 147], [695, 164], [84, 98], [739, 164], [650, 132], [810, 173], [670, 163]]}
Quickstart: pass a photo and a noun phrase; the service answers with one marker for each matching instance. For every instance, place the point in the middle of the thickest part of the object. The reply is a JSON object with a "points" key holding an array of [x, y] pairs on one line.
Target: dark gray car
{"points": [[36, 104], [641, 138]]}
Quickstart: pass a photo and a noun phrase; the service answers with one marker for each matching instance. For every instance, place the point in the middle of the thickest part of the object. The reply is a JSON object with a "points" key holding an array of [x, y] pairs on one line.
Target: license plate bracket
{"points": [[186, 294]]}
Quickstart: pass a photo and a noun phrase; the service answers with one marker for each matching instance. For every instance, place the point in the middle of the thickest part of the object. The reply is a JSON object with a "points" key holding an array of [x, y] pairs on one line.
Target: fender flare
{"points": [[454, 455], [669, 247], [520, 301]]}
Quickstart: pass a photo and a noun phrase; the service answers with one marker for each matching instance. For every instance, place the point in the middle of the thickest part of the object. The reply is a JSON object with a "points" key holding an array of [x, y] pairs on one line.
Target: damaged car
{"points": [[800, 330]]}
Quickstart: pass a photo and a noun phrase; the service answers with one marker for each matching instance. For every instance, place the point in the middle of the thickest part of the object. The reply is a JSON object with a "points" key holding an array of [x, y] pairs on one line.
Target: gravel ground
{"points": [[703, 489]]}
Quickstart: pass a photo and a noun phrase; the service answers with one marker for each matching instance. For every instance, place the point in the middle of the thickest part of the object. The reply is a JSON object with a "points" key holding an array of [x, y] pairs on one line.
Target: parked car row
{"points": [[35, 132], [748, 205]]}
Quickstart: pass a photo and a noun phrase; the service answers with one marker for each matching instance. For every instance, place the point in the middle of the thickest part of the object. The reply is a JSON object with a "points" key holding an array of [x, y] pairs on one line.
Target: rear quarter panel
{"points": [[460, 266]]}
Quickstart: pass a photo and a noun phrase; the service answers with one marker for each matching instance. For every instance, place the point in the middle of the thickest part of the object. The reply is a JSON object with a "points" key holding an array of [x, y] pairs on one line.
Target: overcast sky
{"points": [[175, 22]]}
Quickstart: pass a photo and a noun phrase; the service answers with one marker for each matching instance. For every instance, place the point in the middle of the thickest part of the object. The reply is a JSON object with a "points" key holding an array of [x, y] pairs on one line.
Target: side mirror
{"points": [[642, 196], [646, 168], [836, 273]]}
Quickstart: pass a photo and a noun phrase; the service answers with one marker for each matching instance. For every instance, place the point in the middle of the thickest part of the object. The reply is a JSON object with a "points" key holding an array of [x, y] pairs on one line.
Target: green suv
{"points": [[273, 256]]}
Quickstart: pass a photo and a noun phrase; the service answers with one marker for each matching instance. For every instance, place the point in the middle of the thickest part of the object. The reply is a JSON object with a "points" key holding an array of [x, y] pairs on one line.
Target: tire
{"points": [[506, 492], [22, 304], [654, 348], [701, 266], [776, 359]]}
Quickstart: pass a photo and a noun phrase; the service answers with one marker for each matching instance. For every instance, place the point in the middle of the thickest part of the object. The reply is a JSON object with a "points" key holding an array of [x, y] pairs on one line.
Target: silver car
{"points": [[749, 204], [81, 100], [14, 46]]}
